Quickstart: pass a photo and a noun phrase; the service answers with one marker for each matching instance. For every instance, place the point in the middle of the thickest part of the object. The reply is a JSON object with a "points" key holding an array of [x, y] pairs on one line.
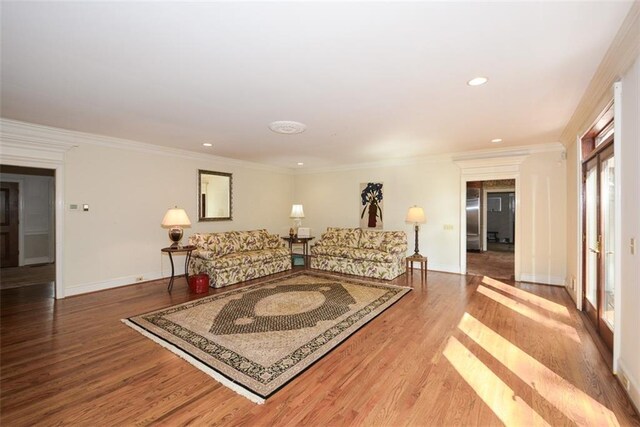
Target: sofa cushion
{"points": [[199, 253], [229, 242], [353, 253], [371, 239], [335, 236], [254, 240], [274, 241], [349, 237], [226, 243], [219, 243], [249, 257], [394, 242], [329, 237]]}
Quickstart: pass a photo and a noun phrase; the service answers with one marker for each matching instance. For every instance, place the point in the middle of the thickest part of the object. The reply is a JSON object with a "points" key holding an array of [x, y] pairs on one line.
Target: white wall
{"points": [[629, 361], [128, 193], [543, 208], [331, 198], [573, 279]]}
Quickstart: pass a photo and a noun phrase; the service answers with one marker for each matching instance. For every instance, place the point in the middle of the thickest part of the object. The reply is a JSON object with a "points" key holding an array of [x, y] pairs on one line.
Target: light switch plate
{"points": [[632, 246]]}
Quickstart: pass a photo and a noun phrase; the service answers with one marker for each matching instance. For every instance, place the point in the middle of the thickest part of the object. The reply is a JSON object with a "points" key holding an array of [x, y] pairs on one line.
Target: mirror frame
{"points": [[222, 218]]}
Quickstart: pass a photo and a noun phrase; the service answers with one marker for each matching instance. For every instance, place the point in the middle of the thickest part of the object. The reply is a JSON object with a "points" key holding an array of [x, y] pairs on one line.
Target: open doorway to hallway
{"points": [[491, 241], [27, 233]]}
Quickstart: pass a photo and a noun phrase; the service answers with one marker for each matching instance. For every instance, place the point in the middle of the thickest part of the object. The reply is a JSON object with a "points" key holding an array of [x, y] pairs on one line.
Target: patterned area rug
{"points": [[256, 339]]}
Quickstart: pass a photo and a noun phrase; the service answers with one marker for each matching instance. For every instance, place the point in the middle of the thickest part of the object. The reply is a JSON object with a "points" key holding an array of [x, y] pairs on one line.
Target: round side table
{"points": [[176, 250]]}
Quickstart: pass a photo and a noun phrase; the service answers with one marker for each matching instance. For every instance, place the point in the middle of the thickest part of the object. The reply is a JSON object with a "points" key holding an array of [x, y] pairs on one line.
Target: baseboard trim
{"points": [[38, 260], [543, 280], [112, 283], [442, 268], [634, 386]]}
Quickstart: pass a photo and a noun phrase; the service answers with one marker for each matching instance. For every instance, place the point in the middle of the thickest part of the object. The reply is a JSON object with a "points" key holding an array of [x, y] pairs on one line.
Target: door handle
{"points": [[595, 251]]}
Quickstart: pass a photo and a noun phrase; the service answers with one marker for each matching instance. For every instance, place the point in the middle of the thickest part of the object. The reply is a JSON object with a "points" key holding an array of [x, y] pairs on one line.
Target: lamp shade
{"points": [[175, 217], [415, 215], [297, 211]]}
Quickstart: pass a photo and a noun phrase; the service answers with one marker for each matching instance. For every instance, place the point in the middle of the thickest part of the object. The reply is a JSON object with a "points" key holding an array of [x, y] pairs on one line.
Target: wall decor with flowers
{"points": [[371, 205]]}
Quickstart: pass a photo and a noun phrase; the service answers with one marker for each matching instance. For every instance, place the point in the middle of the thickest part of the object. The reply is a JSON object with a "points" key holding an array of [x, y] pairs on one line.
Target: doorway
{"points": [[490, 212], [598, 227], [27, 234], [9, 224]]}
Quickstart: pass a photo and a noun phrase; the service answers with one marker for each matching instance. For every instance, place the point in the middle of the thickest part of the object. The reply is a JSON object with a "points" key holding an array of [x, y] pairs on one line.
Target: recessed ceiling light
{"points": [[287, 127], [497, 140], [300, 164], [207, 144], [477, 81]]}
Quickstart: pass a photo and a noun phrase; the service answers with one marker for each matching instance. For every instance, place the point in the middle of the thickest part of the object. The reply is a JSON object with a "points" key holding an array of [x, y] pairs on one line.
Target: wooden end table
{"points": [[304, 241], [423, 266], [176, 250]]}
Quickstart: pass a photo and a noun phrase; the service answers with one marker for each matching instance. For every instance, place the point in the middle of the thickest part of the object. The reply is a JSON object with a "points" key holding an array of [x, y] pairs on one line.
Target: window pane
{"points": [[607, 180], [591, 219]]}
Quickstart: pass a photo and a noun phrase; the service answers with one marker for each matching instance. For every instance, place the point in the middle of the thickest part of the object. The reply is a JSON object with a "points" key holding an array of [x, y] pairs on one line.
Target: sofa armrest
{"points": [[396, 249], [273, 241], [199, 253]]}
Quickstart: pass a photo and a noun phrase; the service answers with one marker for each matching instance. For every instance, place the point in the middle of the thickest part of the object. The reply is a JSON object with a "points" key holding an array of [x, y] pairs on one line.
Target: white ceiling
{"points": [[372, 81]]}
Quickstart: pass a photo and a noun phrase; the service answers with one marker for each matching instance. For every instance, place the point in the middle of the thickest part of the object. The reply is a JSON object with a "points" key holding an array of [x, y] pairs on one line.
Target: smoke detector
{"points": [[287, 127]]}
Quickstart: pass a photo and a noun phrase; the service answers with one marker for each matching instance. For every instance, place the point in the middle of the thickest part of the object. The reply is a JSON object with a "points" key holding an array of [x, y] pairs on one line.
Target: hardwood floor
{"points": [[493, 263], [455, 351], [28, 275]]}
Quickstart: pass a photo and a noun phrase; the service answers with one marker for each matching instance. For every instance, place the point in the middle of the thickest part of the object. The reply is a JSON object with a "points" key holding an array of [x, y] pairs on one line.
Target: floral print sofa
{"points": [[235, 256], [379, 254]]}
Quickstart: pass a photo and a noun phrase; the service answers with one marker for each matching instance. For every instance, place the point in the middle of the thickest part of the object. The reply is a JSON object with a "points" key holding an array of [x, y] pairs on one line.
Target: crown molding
{"points": [[622, 52], [375, 165], [17, 147], [49, 138], [491, 153], [58, 141]]}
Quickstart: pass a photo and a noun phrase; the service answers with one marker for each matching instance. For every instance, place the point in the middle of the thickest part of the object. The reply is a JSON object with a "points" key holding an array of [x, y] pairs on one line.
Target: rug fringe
{"points": [[204, 368]]}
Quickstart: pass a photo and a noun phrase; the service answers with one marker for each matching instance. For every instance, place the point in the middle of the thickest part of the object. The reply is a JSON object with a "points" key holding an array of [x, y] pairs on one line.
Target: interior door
{"points": [[598, 238], [9, 224]]}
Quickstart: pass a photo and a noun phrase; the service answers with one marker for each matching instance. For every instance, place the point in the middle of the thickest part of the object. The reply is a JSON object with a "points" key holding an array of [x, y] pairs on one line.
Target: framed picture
{"points": [[371, 205], [304, 232]]}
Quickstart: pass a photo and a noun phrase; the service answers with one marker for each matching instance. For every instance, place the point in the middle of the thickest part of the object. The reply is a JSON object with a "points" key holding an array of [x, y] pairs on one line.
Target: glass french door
{"points": [[599, 235]]}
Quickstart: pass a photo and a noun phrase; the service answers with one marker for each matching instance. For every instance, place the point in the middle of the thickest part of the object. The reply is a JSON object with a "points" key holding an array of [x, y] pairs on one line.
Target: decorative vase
{"points": [[373, 211]]}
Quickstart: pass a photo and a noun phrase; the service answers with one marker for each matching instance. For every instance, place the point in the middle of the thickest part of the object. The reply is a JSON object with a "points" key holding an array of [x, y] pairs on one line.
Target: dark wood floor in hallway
{"points": [[460, 350], [496, 264]]}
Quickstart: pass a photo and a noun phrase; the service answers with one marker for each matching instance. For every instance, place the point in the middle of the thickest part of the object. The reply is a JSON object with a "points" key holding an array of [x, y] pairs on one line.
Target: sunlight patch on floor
{"points": [[527, 296], [576, 405], [530, 313], [502, 400]]}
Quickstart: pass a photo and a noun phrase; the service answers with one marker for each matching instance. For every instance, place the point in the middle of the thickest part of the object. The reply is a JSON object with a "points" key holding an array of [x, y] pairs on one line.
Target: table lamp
{"points": [[297, 213], [175, 219], [415, 216]]}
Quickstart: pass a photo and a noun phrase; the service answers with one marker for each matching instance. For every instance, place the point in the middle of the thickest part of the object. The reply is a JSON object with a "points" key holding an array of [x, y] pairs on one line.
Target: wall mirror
{"points": [[214, 196]]}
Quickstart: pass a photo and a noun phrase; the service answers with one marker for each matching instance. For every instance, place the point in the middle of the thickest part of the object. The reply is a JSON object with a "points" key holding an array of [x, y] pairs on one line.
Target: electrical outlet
{"points": [[573, 283], [625, 381], [139, 278], [448, 226]]}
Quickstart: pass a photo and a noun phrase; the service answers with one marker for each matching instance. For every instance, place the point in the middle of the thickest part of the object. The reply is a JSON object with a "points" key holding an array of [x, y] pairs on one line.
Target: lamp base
{"points": [[175, 234], [416, 251]]}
